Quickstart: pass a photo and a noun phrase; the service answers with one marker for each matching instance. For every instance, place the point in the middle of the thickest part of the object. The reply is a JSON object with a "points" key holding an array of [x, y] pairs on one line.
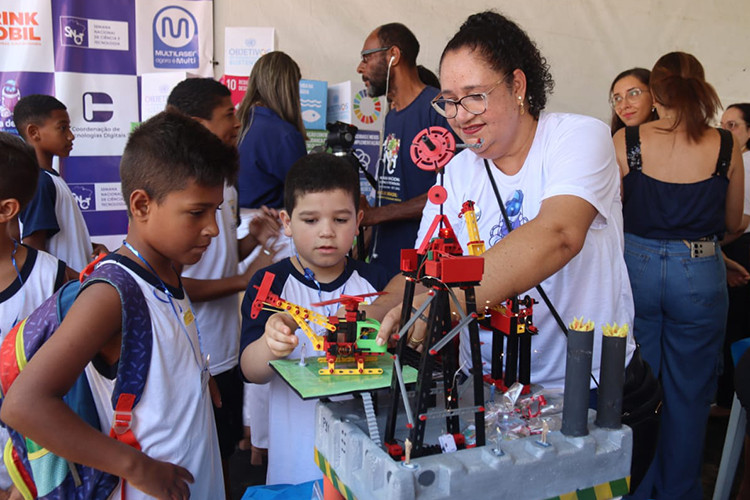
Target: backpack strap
{"points": [[633, 148], [60, 276], [725, 152], [15, 349], [135, 352], [18, 472]]}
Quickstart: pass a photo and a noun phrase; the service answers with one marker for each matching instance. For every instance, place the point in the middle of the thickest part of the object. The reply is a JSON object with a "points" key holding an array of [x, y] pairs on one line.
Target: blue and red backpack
{"points": [[35, 471]]}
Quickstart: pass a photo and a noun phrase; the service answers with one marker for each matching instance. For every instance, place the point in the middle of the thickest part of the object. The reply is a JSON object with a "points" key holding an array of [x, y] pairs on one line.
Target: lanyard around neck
{"points": [[180, 319]]}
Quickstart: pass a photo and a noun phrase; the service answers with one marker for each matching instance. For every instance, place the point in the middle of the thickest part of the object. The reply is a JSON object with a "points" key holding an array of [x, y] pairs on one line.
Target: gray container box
{"points": [[525, 470]]}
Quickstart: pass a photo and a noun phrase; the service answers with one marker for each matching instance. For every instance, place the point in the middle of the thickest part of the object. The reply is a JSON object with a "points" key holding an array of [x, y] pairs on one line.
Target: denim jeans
{"points": [[680, 317]]}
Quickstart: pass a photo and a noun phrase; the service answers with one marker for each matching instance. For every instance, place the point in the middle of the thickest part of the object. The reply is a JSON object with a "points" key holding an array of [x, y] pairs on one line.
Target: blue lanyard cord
{"points": [[20, 280], [198, 356], [309, 275], [13, 260]]}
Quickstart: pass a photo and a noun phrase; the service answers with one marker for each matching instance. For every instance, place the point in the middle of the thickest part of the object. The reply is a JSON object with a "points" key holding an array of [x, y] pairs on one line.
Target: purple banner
{"points": [[16, 85], [95, 183], [94, 37]]}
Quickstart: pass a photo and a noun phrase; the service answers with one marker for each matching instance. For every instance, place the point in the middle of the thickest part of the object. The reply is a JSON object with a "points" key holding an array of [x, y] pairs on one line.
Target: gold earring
{"points": [[520, 105]]}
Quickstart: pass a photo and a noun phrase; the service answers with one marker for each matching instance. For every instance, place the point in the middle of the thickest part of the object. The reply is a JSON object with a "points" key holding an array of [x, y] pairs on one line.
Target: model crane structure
{"points": [[348, 339], [440, 264]]}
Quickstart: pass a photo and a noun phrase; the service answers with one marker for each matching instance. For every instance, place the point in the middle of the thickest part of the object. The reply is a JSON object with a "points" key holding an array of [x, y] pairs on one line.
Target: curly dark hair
{"points": [[506, 47]]}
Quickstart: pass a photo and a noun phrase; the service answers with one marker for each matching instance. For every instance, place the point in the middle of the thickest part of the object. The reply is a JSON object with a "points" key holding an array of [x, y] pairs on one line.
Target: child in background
{"points": [[213, 282], [27, 276], [321, 196], [52, 220], [173, 172]]}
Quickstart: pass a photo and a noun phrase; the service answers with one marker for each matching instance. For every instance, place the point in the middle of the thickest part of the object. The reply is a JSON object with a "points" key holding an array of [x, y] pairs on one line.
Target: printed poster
{"points": [[155, 90], [348, 102], [94, 37], [313, 95], [244, 46], [175, 35], [90, 55], [26, 42]]}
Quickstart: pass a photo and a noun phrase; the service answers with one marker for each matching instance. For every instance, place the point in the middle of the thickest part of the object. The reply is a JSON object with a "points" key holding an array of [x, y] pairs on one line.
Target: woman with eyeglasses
{"points": [[736, 119], [682, 190], [630, 99], [736, 249], [555, 177]]}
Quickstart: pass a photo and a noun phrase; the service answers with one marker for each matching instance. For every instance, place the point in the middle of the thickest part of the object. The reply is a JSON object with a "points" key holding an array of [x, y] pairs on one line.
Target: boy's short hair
{"points": [[19, 170], [165, 152], [318, 172], [34, 108], [198, 97]]}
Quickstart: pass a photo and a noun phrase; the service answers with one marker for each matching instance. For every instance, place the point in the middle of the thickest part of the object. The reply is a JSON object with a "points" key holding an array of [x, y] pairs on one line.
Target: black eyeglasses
{"points": [[366, 53], [476, 104]]}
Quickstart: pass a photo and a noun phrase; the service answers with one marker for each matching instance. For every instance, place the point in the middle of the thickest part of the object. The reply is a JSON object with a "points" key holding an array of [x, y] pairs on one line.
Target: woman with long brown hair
{"points": [[630, 99], [678, 201], [272, 134]]}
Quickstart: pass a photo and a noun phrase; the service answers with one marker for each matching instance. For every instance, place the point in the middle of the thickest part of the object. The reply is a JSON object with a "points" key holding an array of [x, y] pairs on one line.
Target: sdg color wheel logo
{"points": [[366, 109]]}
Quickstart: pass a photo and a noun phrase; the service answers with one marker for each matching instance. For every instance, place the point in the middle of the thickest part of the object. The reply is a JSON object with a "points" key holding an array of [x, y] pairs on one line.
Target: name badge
{"points": [[188, 317]]}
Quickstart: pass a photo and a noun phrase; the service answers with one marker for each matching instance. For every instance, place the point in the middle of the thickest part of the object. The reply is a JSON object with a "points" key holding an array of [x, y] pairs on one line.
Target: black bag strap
{"points": [[633, 148], [538, 287], [725, 152]]}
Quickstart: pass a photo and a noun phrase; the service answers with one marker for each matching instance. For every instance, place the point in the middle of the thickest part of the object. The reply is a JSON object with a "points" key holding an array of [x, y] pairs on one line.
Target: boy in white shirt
{"points": [[321, 196], [173, 172]]}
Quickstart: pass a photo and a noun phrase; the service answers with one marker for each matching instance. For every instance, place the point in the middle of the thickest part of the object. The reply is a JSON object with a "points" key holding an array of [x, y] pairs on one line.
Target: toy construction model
{"points": [[440, 265], [581, 460], [349, 339], [513, 319]]}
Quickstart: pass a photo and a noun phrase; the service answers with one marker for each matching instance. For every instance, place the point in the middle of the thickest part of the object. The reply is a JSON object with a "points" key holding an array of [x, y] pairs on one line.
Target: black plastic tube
{"points": [[611, 383], [576, 394]]}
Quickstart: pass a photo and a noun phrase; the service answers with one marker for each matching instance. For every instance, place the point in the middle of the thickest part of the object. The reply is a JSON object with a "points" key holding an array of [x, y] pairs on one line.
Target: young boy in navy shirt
{"points": [[321, 215], [52, 220], [173, 172]]}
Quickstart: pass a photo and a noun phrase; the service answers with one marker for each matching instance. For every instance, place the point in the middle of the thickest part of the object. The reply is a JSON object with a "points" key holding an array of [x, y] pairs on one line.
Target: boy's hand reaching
{"points": [[98, 249], [162, 480], [265, 227], [263, 230], [279, 334]]}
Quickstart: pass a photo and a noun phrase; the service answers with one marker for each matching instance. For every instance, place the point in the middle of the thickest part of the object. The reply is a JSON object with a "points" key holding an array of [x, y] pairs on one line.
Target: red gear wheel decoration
{"points": [[433, 148], [437, 195]]}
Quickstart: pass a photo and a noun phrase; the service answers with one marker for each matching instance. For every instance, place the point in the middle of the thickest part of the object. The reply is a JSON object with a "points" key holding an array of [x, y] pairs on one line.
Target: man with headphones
{"points": [[389, 68]]}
